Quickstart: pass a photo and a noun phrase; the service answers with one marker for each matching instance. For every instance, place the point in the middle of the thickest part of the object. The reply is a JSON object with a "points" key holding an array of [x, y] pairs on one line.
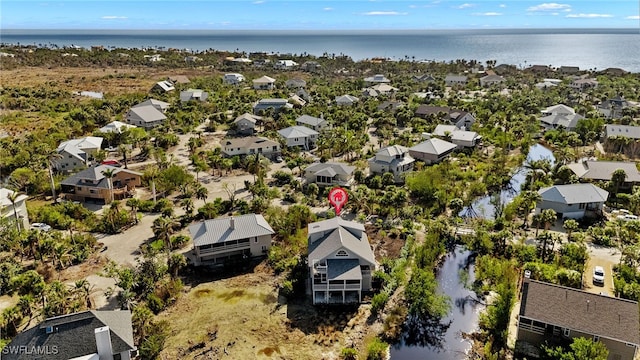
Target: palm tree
{"points": [[163, 227], [13, 197], [109, 174], [134, 204], [175, 263], [202, 193], [51, 156], [570, 225], [548, 217], [151, 175], [124, 150]]}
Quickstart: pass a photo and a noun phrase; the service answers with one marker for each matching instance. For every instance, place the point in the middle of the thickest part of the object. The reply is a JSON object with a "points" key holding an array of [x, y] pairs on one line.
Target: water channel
{"points": [[444, 340]]}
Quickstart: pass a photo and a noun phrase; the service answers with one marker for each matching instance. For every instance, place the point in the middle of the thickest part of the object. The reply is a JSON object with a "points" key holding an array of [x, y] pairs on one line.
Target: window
{"points": [[255, 239], [596, 338], [567, 332], [342, 253], [582, 206]]}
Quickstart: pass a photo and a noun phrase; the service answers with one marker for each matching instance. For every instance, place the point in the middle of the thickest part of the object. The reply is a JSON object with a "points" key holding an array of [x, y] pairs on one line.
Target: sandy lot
{"points": [[607, 258]]}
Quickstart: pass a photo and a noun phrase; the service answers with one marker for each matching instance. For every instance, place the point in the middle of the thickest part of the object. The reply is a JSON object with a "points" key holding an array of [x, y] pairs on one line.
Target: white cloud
{"points": [[555, 14], [465, 6], [502, 5], [258, 2], [633, 17], [487, 14], [550, 7], [384, 13], [111, 17], [589, 16], [328, 9]]}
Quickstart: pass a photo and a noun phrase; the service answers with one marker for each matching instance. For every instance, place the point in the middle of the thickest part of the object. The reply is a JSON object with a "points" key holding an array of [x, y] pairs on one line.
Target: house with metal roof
{"points": [[626, 131], [554, 312], [295, 83], [455, 80], [432, 150], [77, 153], [250, 145], [394, 159], [233, 78], [264, 83], [146, 116], [591, 170], [300, 136], [613, 108], [572, 201], [275, 104], [246, 123], [16, 210], [346, 100], [193, 94], [115, 127], [329, 174], [160, 105], [312, 122], [560, 121], [163, 86], [376, 79], [217, 241], [459, 118], [285, 65], [340, 260], [87, 335], [490, 80], [91, 185], [462, 138]]}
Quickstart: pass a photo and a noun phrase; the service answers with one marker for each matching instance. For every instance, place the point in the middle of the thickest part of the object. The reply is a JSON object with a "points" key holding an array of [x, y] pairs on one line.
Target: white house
{"points": [[394, 159], [220, 240], [275, 104], [559, 109], [163, 86], [285, 65], [559, 116], [233, 78], [7, 208], [301, 136], [341, 262], [346, 100], [462, 138], [432, 150], [264, 83], [146, 116], [460, 118], [376, 79], [160, 105], [250, 145], [490, 80], [115, 127], [77, 153], [455, 80], [572, 201], [312, 122]]}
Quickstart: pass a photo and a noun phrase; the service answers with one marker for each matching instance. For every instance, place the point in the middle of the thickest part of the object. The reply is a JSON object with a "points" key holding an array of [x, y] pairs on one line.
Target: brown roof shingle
{"points": [[570, 308]]}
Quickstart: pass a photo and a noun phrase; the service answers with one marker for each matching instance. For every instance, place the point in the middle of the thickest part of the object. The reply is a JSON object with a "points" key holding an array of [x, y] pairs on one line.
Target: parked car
{"points": [[598, 275], [41, 226], [115, 163], [627, 217]]}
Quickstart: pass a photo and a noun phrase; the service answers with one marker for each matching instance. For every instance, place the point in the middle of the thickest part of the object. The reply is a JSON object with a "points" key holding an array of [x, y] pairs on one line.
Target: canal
{"points": [[445, 340]]}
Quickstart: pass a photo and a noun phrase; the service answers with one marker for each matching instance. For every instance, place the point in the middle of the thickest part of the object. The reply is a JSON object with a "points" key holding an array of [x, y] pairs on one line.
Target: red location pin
{"points": [[338, 197]]}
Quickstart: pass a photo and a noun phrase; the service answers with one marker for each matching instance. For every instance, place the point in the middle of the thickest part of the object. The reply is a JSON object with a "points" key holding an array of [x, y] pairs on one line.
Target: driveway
{"points": [[605, 257]]}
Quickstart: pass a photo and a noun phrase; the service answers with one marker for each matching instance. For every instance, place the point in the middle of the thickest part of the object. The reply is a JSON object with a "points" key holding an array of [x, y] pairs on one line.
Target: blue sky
{"points": [[317, 15]]}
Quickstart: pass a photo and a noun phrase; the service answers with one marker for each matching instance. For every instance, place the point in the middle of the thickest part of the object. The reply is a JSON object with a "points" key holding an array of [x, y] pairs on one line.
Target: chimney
{"points": [[232, 224], [103, 343]]}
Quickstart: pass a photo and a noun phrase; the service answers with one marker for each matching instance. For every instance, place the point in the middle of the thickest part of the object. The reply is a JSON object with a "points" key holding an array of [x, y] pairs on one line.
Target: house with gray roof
{"points": [[312, 122], [584, 84], [490, 80], [461, 138], [592, 170], [264, 83], [77, 153], [233, 78], [115, 127], [460, 118], [89, 335], [329, 174], [613, 108], [163, 86], [300, 136], [246, 123], [275, 104], [559, 109], [432, 150], [296, 83], [250, 145], [146, 116], [376, 79], [220, 240], [559, 121], [390, 105], [627, 131], [572, 201], [455, 80], [91, 185], [340, 260], [193, 94], [549, 311], [160, 105], [394, 159], [346, 100]]}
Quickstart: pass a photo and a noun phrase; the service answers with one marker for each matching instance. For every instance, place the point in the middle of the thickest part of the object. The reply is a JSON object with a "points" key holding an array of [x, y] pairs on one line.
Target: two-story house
{"points": [[376, 79], [455, 80], [275, 104], [193, 94], [233, 78], [432, 150], [461, 119], [264, 83], [86, 335], [217, 241], [329, 174], [572, 201], [246, 123], [340, 260], [312, 122], [146, 116], [77, 153], [285, 65], [14, 210], [462, 138], [394, 159], [300, 136], [250, 145], [553, 312], [91, 185]]}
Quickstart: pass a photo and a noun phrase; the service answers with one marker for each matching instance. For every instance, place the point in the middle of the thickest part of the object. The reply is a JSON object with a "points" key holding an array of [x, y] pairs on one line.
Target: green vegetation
{"points": [[580, 348]]}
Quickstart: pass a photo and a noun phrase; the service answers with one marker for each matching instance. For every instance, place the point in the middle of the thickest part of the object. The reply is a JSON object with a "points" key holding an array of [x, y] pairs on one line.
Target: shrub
{"points": [[349, 354], [155, 304], [377, 350], [287, 289], [378, 301]]}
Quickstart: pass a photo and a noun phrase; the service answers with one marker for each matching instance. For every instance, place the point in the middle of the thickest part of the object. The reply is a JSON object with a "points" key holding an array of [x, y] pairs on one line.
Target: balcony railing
{"points": [[334, 287], [223, 249]]}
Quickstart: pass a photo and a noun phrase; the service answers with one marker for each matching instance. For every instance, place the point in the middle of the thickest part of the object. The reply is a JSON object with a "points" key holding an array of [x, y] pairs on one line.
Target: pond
{"points": [[444, 339]]}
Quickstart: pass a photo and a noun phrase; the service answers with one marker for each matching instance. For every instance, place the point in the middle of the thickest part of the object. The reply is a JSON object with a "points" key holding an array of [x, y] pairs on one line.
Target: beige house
{"points": [[264, 83], [7, 208], [91, 185], [394, 159], [462, 138], [226, 239], [340, 260], [146, 116], [250, 145], [329, 174], [549, 311], [432, 150], [490, 80]]}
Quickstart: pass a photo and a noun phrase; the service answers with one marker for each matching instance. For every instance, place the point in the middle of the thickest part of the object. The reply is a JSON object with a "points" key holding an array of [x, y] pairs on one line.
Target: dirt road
{"points": [[605, 257]]}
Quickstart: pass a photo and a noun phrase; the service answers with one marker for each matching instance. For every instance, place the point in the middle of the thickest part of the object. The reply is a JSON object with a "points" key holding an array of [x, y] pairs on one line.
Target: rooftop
{"points": [[229, 228]]}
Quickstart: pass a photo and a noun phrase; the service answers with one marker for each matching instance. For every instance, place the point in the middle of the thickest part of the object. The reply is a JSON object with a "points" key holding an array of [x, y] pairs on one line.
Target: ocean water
{"points": [[586, 48]]}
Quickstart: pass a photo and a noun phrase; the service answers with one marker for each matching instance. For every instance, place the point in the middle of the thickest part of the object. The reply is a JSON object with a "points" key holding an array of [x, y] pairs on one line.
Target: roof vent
{"points": [[49, 330]]}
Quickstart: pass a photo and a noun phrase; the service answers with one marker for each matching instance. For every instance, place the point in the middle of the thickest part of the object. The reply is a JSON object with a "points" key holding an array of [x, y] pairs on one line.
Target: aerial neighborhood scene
{"points": [[219, 191]]}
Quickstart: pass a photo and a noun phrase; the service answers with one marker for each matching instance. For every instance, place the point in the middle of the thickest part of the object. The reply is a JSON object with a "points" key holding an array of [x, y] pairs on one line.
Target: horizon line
{"points": [[305, 29]]}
